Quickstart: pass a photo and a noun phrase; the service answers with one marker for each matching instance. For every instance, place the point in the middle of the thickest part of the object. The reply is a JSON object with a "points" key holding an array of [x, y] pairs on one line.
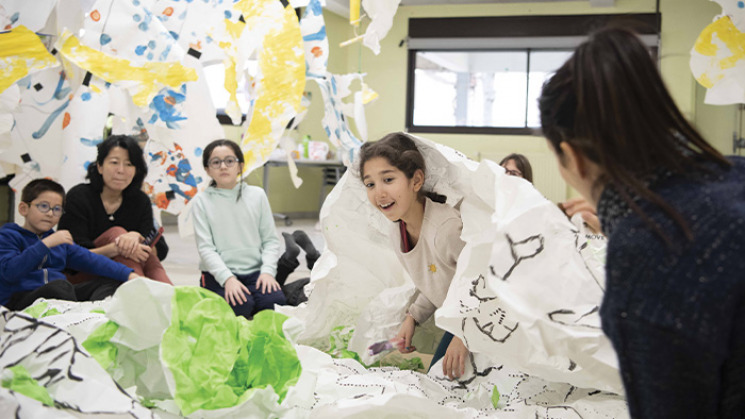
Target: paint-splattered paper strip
{"points": [[21, 53]]}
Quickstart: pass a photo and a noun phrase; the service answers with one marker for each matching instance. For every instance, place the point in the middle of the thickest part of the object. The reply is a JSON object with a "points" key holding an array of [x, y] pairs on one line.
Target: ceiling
{"points": [[341, 7]]}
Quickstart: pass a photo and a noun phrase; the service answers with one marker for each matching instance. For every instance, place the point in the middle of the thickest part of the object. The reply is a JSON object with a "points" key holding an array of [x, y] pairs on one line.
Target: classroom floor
{"points": [[182, 263]]}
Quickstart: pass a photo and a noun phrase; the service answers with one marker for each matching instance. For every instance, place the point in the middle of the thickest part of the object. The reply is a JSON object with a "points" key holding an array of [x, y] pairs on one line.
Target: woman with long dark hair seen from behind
{"points": [[111, 215], [673, 209]]}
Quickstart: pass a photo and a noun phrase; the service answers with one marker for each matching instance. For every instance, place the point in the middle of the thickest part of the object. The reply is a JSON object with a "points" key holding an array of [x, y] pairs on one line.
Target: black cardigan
{"points": [[676, 314], [86, 218]]}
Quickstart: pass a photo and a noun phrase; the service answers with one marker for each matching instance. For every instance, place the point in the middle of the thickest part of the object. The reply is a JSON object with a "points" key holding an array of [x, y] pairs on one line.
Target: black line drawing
{"points": [[521, 250]]}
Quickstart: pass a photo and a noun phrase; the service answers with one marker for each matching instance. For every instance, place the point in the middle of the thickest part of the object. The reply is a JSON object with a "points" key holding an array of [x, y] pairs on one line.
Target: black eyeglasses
{"points": [[44, 208], [216, 162]]}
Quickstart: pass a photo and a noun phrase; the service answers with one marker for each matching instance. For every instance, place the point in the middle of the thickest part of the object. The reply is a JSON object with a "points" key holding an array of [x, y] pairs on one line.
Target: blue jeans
{"points": [[254, 302], [441, 348]]}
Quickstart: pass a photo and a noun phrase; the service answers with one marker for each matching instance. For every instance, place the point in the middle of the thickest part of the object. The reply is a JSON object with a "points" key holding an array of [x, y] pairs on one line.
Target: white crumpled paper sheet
{"points": [[523, 295]]}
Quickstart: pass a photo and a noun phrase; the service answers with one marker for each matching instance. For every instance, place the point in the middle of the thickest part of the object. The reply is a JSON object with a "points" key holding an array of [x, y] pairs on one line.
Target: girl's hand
{"points": [[128, 243], [266, 283], [454, 361], [406, 333], [235, 291]]}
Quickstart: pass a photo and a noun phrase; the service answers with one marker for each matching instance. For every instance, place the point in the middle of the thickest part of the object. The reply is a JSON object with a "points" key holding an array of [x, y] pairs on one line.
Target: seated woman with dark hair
{"points": [[111, 215], [517, 165]]}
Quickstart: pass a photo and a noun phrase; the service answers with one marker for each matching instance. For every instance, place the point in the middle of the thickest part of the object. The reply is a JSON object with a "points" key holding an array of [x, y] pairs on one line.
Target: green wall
{"points": [[682, 21]]}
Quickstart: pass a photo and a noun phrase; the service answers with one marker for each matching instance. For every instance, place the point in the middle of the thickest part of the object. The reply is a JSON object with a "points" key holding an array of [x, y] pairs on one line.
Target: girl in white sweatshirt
{"points": [[425, 235]]}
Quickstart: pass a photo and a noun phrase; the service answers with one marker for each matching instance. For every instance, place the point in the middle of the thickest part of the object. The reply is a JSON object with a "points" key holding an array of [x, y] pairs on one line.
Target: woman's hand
{"points": [[454, 361], [266, 283], [406, 333], [235, 291], [142, 253], [128, 244]]}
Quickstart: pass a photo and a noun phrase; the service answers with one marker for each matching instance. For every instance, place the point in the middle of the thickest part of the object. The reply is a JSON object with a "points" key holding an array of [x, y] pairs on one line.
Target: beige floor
{"points": [[182, 263]]}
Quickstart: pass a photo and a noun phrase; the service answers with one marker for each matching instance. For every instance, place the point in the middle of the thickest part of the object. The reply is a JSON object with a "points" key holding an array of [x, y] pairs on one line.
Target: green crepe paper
{"points": [[216, 358], [52, 312], [36, 310], [23, 383], [339, 342], [99, 346], [494, 397], [339, 339]]}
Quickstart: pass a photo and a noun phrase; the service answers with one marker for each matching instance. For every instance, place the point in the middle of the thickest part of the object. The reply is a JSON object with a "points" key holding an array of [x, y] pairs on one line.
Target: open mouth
{"points": [[386, 206]]}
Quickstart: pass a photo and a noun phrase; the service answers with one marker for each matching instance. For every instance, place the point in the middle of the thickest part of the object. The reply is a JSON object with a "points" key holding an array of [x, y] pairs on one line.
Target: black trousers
{"points": [[93, 290]]}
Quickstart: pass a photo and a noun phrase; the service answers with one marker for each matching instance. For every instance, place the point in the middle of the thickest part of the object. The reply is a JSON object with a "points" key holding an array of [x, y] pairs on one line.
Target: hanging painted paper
{"points": [[718, 62], [31, 14], [334, 89], [381, 13], [21, 53], [40, 118], [144, 81], [130, 30], [315, 40], [735, 9], [280, 81], [86, 120]]}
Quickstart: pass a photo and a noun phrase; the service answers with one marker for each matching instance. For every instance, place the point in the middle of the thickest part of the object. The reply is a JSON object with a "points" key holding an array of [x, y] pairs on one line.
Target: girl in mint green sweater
{"points": [[236, 238]]}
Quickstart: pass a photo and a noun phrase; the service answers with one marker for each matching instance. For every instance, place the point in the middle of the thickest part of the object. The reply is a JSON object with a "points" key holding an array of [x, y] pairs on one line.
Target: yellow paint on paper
{"points": [[150, 76], [280, 88], [724, 45], [234, 29], [21, 51]]}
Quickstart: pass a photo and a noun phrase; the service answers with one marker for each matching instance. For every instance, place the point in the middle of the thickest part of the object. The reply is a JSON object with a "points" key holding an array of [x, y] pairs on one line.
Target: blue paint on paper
{"points": [[104, 39], [318, 36], [140, 49], [91, 142], [86, 96]]}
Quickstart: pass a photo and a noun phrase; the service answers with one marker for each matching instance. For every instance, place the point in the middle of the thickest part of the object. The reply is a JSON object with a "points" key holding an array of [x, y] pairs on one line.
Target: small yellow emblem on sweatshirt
{"points": [[432, 268]]}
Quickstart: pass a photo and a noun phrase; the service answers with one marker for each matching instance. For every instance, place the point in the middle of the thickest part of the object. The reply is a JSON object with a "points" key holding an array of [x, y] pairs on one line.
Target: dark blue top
{"points": [[676, 314], [26, 263]]}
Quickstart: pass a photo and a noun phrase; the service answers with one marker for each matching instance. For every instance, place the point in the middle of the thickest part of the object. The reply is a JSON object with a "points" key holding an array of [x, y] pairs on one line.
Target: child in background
{"points": [[236, 239], [33, 257], [518, 165], [425, 235]]}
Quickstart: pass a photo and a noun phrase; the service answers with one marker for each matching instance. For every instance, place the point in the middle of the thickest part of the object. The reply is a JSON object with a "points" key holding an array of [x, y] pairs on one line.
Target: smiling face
{"points": [[225, 177], [117, 170], [390, 191], [37, 221]]}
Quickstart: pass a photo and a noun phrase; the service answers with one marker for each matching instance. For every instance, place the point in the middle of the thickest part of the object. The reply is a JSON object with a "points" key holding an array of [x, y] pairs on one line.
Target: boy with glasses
{"points": [[33, 257]]}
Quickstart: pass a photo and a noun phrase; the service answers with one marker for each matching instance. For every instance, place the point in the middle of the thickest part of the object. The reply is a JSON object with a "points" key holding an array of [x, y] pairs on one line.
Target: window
{"points": [[484, 75], [481, 89]]}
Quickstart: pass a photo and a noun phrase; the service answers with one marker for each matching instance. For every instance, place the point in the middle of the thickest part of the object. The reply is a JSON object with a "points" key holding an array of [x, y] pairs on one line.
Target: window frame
{"points": [[508, 33]]}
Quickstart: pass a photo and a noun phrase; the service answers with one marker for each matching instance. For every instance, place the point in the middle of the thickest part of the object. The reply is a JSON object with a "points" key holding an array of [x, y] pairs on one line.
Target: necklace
{"points": [[111, 207]]}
